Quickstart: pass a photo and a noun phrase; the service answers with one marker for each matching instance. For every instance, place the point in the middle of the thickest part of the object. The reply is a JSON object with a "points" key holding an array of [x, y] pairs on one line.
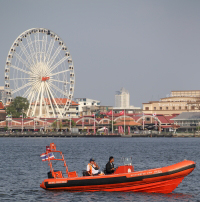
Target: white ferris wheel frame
{"points": [[40, 68]]}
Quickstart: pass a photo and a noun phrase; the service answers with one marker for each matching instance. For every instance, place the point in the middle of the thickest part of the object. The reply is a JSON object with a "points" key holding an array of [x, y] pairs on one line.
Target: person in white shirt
{"points": [[93, 168]]}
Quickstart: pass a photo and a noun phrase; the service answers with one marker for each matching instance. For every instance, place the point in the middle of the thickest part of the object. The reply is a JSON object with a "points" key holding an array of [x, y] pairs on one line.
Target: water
{"points": [[22, 171]]}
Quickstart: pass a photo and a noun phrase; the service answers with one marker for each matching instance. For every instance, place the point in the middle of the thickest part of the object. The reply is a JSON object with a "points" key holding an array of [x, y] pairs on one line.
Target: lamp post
{"points": [[112, 121], [124, 123], [11, 122], [45, 124], [57, 123], [22, 120], [70, 123], [143, 121], [34, 123], [94, 125]]}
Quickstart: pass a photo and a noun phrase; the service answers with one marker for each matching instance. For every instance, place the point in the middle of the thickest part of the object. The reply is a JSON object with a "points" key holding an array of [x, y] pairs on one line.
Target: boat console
{"points": [[126, 166]]}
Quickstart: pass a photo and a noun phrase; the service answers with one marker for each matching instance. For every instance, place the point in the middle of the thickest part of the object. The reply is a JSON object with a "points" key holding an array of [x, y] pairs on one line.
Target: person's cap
{"points": [[92, 159]]}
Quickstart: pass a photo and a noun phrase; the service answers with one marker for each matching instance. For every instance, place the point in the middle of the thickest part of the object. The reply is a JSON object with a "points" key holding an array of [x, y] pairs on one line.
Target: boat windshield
{"points": [[126, 160]]}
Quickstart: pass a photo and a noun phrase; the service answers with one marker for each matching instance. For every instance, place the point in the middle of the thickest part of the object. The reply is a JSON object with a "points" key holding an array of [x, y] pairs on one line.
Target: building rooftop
{"points": [[187, 116]]}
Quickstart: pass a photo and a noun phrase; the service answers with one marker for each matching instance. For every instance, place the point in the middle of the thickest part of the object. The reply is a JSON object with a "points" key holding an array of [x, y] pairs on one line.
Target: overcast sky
{"points": [[148, 47]]}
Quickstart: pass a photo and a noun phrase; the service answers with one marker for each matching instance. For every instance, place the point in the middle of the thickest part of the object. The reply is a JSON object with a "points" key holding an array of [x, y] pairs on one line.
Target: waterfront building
{"points": [[175, 103], [86, 105], [122, 102], [122, 99], [187, 121], [130, 110], [90, 110]]}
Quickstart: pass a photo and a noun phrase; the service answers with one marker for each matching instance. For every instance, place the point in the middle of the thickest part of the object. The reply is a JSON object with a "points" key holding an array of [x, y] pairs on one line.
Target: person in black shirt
{"points": [[110, 166]]}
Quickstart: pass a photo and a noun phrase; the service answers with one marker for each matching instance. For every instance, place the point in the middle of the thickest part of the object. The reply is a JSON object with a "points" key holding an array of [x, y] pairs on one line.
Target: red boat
{"points": [[124, 179]]}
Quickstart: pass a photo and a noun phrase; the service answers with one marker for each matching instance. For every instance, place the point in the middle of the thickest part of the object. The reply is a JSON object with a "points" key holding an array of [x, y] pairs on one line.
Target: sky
{"points": [[148, 47]]}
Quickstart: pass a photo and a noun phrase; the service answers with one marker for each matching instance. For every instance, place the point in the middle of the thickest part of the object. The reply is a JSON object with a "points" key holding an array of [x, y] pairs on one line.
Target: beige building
{"points": [[176, 103]]}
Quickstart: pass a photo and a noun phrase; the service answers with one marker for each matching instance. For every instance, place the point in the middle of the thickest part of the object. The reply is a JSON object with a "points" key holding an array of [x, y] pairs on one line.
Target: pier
{"points": [[70, 135]]}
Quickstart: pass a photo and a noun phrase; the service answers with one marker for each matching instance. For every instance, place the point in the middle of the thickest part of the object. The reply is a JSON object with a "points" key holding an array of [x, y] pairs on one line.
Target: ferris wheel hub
{"points": [[45, 78]]}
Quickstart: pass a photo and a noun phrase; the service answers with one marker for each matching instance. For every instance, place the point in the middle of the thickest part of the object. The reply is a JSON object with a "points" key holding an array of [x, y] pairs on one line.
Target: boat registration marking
{"points": [[146, 173], [57, 182]]}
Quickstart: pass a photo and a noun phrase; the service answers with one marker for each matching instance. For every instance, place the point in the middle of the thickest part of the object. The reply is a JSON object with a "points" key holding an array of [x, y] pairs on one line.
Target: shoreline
{"points": [[70, 135]]}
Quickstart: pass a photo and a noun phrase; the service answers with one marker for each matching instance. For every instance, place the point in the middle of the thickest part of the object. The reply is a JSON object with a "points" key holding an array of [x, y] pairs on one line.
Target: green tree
{"points": [[57, 124], [110, 126], [18, 106], [66, 122], [6, 128]]}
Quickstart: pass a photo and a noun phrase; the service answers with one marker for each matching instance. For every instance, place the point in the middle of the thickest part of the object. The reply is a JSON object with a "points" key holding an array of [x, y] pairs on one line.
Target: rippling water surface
{"points": [[22, 171]]}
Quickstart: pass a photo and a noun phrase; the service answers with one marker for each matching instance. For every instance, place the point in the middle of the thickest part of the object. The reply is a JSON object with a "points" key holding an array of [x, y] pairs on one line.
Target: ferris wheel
{"points": [[40, 68]]}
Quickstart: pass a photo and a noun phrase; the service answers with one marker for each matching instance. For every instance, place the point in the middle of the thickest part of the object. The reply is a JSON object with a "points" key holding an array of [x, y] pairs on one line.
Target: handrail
{"points": [[50, 149]]}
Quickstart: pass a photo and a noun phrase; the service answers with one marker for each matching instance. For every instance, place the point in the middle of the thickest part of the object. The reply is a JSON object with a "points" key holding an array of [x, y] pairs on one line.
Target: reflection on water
{"points": [[22, 170]]}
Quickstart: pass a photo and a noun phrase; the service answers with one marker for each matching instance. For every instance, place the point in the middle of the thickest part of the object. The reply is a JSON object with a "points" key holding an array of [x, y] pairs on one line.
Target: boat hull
{"points": [[159, 180]]}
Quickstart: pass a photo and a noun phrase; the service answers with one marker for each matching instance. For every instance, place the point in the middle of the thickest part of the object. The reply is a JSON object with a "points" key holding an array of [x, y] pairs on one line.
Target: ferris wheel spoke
{"points": [[33, 88], [18, 78], [54, 56], [26, 93], [22, 60], [67, 70], [58, 63], [43, 50], [58, 89], [48, 54], [36, 101], [48, 97], [28, 57], [41, 98], [55, 103], [31, 48], [30, 104], [65, 82], [18, 89], [22, 70], [37, 46], [46, 102]]}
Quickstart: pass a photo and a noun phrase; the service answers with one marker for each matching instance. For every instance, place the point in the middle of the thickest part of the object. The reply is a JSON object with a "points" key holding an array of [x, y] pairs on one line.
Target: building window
{"points": [[192, 107], [154, 108], [146, 108], [166, 108], [84, 99], [173, 108], [160, 108], [179, 107], [76, 108], [186, 107], [87, 120], [147, 119], [105, 121]]}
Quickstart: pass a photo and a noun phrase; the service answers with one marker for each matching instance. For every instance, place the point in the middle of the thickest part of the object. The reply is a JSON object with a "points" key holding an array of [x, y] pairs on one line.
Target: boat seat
{"points": [[57, 173], [85, 173], [72, 174]]}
